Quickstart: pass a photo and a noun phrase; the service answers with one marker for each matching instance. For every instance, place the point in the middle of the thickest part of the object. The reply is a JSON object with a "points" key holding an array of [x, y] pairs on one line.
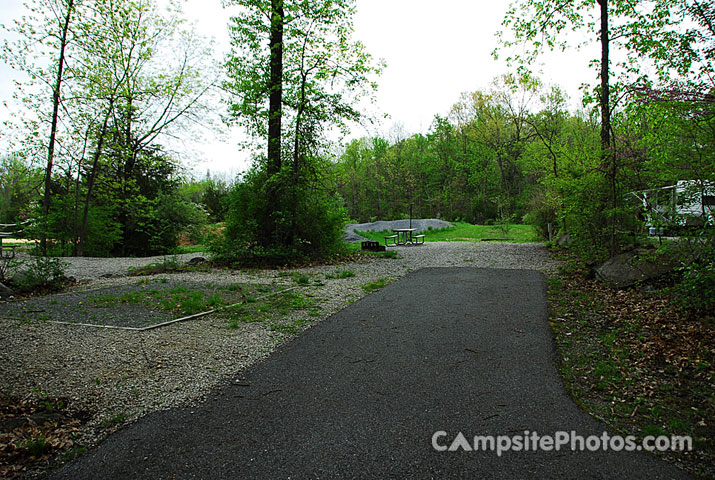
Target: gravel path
{"points": [[85, 269], [117, 376]]}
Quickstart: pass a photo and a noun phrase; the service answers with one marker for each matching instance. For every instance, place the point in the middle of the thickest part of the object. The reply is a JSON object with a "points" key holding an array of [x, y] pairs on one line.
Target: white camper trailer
{"points": [[687, 203]]}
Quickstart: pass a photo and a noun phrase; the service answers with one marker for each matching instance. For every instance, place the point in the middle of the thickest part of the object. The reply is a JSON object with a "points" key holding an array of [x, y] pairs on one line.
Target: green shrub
{"points": [[542, 213], [37, 446], [103, 232], [40, 273], [174, 214], [9, 264], [695, 288], [300, 223]]}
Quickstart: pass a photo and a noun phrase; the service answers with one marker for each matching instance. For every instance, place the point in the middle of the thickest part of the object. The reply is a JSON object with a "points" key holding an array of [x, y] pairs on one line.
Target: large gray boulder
{"points": [[627, 269], [5, 292], [420, 224]]}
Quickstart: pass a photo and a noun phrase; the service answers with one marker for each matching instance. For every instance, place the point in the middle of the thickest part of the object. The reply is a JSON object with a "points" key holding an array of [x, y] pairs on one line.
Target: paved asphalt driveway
{"points": [[362, 394]]}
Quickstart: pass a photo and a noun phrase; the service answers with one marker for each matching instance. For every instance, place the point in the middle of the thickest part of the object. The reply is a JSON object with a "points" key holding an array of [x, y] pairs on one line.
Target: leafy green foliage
{"points": [[284, 209], [104, 186], [695, 288], [375, 285], [210, 193], [39, 274], [17, 189], [103, 231], [308, 224], [325, 70], [471, 166]]}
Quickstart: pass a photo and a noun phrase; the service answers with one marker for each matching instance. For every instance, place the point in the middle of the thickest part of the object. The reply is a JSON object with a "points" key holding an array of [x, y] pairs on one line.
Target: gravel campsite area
{"points": [[112, 376]]}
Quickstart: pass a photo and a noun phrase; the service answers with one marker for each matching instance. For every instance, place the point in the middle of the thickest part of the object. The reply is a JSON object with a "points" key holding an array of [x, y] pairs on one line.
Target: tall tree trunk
{"points": [[54, 121], [608, 158], [297, 153], [275, 116], [275, 86], [605, 87], [130, 153], [90, 184]]}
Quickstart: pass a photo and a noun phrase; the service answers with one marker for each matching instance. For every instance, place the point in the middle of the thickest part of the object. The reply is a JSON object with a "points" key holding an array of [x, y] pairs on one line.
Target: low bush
{"points": [[39, 273], [695, 287], [304, 223]]}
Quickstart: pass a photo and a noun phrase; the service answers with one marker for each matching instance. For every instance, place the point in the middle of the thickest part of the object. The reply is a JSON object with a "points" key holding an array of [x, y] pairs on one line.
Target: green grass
{"points": [[340, 274], [301, 279], [37, 446], [189, 249], [273, 311], [466, 232], [18, 245], [74, 452], [178, 299], [117, 419], [376, 285]]}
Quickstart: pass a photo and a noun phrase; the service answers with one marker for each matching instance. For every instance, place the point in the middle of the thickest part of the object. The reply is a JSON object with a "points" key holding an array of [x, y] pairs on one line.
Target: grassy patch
{"points": [[376, 285], [340, 274], [116, 419], [466, 232], [301, 279], [179, 299], [275, 311], [189, 249], [144, 304], [631, 358]]}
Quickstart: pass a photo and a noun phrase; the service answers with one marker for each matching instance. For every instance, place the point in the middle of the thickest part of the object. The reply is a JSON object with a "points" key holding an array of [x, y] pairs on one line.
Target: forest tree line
{"points": [[515, 153], [110, 78], [106, 79]]}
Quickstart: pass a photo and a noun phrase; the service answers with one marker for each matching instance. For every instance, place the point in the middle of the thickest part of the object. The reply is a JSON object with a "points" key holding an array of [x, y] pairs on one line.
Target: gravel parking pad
{"points": [[138, 305]]}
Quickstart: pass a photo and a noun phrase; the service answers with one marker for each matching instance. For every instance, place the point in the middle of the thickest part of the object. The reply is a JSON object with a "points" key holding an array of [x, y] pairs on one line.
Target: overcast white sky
{"points": [[434, 51]]}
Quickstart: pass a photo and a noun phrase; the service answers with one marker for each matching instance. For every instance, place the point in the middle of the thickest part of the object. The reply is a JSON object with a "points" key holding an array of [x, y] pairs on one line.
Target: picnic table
{"points": [[404, 236], [7, 252]]}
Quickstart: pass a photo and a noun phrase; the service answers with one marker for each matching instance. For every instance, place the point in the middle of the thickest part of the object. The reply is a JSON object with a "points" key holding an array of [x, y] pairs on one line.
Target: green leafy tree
{"points": [[129, 75], [302, 53], [633, 27], [18, 188], [45, 31]]}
